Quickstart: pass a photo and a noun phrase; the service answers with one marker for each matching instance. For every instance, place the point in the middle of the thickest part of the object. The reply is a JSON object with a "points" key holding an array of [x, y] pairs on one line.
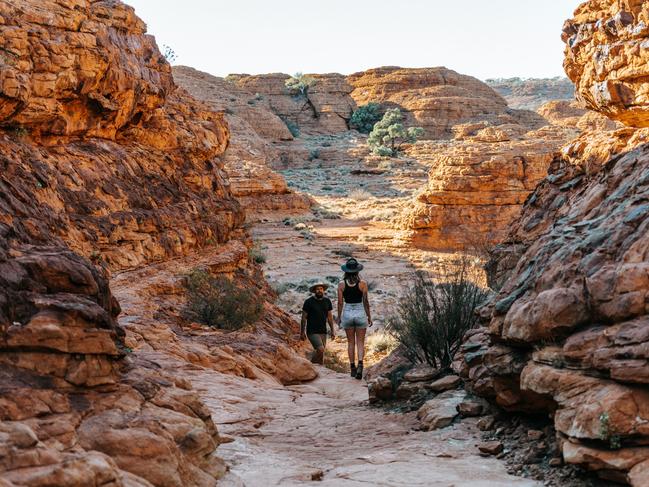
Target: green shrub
{"points": [[218, 302], [299, 84], [389, 134], [314, 154], [256, 253], [434, 316], [364, 118], [169, 54]]}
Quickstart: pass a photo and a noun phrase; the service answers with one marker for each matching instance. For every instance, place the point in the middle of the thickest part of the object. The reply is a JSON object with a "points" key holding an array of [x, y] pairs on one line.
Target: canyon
{"points": [[121, 174]]}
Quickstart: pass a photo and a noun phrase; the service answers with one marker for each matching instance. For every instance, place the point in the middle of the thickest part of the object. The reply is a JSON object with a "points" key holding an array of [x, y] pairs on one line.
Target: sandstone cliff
{"points": [[252, 152], [567, 332], [478, 183], [325, 108], [436, 99], [104, 158], [606, 59]]}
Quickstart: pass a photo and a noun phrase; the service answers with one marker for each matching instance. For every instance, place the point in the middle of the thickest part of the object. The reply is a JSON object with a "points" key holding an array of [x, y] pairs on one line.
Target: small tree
{"points": [[299, 83], [389, 134], [218, 302], [364, 118], [169, 54], [434, 316]]}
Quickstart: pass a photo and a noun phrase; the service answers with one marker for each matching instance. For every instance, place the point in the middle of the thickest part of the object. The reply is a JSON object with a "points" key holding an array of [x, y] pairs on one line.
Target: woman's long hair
{"points": [[352, 277]]}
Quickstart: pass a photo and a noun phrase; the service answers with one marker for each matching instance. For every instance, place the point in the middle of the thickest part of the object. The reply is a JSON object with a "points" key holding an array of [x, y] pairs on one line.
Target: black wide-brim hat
{"points": [[352, 266]]}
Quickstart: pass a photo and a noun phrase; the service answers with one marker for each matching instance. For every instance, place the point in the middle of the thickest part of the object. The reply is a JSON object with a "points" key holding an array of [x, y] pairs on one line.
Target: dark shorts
{"points": [[317, 340]]}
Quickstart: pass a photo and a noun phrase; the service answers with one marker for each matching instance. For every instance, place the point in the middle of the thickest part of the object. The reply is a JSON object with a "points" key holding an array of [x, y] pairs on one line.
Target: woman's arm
{"points": [[340, 302], [366, 301]]}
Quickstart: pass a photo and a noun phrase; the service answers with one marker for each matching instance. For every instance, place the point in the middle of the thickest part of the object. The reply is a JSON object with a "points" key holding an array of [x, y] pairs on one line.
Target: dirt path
{"points": [[325, 431]]}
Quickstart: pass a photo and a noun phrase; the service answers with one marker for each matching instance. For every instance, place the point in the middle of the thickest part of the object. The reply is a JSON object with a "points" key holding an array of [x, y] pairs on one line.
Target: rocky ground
{"points": [[325, 431]]}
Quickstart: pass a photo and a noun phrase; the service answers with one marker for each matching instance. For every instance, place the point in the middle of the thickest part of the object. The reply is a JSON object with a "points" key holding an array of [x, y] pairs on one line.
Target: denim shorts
{"points": [[354, 316]]}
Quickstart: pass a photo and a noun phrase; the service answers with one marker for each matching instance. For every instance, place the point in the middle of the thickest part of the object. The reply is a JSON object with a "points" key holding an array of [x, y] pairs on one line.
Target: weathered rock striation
{"points": [[436, 99], [106, 165], [532, 93], [256, 133], [478, 183], [325, 108], [567, 332], [605, 57]]}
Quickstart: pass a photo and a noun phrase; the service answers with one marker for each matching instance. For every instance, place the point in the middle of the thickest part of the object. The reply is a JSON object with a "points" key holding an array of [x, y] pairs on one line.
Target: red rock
{"points": [[445, 383], [491, 447], [421, 374], [470, 408]]}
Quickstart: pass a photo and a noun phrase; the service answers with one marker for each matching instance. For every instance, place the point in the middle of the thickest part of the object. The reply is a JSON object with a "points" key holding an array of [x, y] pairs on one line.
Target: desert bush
{"points": [[256, 253], [299, 83], [281, 287], [360, 194], [381, 342], [433, 316], [389, 134], [218, 302], [314, 154], [364, 118]]}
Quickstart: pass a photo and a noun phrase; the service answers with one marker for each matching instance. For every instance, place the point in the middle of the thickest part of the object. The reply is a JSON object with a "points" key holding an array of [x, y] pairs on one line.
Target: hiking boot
{"points": [[359, 371], [353, 371]]}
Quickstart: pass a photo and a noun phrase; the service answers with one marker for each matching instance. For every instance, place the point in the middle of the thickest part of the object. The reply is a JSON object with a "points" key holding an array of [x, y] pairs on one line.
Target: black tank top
{"points": [[352, 294]]}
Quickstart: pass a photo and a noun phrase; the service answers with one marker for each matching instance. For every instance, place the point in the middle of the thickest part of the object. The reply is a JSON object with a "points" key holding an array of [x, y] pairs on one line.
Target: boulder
{"points": [[421, 374], [440, 411], [445, 383]]}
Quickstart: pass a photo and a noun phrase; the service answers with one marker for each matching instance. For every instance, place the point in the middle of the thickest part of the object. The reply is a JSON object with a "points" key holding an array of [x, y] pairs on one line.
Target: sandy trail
{"points": [[326, 431]]}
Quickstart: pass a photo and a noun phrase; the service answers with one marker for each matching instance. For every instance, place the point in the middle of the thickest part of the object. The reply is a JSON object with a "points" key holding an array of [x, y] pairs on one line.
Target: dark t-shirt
{"points": [[316, 314]]}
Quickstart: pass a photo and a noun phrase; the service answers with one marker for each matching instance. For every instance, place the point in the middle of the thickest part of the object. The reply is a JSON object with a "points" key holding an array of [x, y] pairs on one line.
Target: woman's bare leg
{"points": [[351, 341], [360, 343]]}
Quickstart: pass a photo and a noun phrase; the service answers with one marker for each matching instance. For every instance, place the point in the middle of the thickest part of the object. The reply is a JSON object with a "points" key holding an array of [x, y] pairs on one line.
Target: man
{"points": [[316, 313]]}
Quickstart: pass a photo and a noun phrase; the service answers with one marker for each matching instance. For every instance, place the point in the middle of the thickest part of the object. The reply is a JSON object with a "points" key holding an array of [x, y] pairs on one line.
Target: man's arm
{"points": [[303, 325], [330, 319], [366, 302]]}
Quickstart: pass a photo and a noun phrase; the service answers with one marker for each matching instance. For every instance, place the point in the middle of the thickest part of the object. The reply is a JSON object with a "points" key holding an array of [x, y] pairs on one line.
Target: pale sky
{"points": [[482, 38]]}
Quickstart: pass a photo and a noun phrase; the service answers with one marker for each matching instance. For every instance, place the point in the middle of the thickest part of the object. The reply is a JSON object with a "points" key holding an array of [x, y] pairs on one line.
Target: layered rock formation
{"points": [[531, 93], [567, 332], [102, 157], [256, 132], [325, 108], [436, 99], [606, 58], [478, 183]]}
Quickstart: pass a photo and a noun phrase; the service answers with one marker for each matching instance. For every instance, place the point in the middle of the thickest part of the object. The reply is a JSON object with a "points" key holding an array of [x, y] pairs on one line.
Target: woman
{"points": [[354, 313]]}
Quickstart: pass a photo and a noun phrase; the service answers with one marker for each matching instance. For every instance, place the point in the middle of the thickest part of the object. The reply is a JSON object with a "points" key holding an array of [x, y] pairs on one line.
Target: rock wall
{"points": [[436, 99], [256, 133], [606, 59], [324, 109], [567, 332], [106, 165], [478, 184]]}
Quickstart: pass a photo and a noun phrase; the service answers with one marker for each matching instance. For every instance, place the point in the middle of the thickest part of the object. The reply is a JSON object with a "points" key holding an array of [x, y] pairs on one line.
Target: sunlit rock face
{"points": [[606, 57], [105, 165], [568, 331], [436, 99]]}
